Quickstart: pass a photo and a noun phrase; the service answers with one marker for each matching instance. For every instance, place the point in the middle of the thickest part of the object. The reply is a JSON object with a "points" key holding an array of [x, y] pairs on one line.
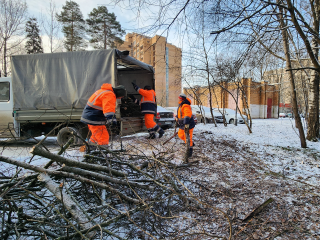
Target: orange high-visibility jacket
{"points": [[184, 113], [148, 101], [100, 107]]}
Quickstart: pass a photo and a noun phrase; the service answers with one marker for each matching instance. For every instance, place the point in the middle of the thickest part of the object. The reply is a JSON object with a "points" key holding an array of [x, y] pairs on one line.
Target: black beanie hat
{"points": [[147, 87], [120, 91]]}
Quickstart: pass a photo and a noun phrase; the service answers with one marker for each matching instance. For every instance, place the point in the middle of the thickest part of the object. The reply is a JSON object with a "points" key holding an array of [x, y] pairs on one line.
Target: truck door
{"points": [[6, 107]]}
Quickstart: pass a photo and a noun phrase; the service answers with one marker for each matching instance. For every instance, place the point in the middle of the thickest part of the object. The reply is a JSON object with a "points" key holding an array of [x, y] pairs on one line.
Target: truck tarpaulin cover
{"points": [[60, 80]]}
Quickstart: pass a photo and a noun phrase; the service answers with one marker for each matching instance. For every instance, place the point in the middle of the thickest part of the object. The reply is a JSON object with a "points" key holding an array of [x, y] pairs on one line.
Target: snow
{"points": [[237, 171], [278, 141]]}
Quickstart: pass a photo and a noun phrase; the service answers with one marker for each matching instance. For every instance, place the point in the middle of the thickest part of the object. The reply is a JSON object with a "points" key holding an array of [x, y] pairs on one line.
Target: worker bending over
{"points": [[100, 110], [185, 120], [148, 106]]}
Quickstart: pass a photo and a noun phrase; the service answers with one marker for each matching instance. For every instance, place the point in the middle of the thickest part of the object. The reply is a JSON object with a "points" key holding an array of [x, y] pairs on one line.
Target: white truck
{"points": [[49, 91]]}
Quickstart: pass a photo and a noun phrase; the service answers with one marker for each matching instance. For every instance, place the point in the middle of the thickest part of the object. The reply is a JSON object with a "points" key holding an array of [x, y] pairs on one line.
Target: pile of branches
{"points": [[107, 194]]}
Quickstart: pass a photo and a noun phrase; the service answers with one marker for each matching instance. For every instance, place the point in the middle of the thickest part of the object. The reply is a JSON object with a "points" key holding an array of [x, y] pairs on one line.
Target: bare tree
{"points": [[52, 28], [13, 15], [238, 24]]}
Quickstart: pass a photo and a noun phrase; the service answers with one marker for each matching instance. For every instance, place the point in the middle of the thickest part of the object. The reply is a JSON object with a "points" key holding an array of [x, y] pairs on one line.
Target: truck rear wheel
{"points": [[66, 133]]}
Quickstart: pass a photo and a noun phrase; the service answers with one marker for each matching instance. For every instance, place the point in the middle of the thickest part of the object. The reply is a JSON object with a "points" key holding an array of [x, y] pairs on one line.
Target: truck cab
{"points": [[6, 106]]}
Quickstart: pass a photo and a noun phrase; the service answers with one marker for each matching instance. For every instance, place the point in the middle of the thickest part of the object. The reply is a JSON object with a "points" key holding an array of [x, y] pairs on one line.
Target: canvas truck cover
{"points": [[60, 80]]}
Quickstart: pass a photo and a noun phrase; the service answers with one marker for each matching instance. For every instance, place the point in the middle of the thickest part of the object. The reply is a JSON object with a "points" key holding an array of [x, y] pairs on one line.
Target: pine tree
{"points": [[73, 26], [33, 44], [104, 29]]}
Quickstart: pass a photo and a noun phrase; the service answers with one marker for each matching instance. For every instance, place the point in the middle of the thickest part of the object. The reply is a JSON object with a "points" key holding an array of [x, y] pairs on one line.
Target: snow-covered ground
{"points": [[278, 141], [237, 171], [274, 132]]}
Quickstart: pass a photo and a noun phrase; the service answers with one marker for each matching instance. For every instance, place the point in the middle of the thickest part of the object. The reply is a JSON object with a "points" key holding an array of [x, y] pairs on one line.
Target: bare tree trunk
{"points": [[313, 100], [60, 194], [237, 102], [286, 49], [5, 58], [313, 111]]}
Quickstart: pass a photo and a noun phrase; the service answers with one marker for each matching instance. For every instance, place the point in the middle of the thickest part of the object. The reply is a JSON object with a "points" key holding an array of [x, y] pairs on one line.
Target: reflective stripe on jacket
{"points": [[100, 106], [184, 113], [148, 101]]}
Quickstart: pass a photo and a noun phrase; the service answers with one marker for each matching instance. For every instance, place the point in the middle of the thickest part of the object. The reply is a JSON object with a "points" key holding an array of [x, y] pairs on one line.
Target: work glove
{"points": [[135, 86], [112, 122], [186, 126]]}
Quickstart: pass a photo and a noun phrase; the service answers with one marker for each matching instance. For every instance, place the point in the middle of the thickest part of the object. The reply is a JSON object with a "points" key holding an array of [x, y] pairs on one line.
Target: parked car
{"points": [[204, 115], [174, 110], [230, 115], [282, 115], [165, 117]]}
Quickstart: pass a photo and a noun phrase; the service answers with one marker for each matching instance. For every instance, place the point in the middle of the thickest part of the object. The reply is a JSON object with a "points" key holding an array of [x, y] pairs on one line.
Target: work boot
{"points": [[151, 136], [161, 132], [190, 152]]}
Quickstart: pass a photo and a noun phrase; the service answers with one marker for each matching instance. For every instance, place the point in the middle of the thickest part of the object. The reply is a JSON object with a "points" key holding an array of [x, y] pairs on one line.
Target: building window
{"points": [[4, 91]]}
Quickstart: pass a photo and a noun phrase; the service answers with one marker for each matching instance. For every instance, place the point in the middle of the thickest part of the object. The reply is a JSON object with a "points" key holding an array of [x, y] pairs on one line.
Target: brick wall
{"points": [[252, 95]]}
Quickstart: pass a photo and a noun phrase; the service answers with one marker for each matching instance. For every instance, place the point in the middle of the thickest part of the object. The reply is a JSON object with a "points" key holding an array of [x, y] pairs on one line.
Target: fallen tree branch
{"points": [[68, 175], [257, 210], [38, 151], [60, 194], [104, 177]]}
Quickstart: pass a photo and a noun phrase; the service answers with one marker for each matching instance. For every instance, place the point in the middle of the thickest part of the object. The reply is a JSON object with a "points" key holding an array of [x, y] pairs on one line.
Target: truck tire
{"points": [[231, 121], [66, 133]]}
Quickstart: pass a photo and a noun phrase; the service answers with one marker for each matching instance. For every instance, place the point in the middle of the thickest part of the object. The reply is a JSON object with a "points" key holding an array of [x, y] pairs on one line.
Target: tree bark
{"points": [[286, 49], [313, 100], [60, 194]]}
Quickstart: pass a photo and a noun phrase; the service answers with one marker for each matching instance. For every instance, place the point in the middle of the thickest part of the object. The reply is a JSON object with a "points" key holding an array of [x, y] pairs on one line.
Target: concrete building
{"points": [[166, 60], [261, 98]]}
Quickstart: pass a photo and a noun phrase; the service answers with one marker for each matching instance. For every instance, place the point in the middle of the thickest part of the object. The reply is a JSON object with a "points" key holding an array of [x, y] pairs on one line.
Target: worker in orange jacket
{"points": [[185, 120], [148, 106], [100, 110]]}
